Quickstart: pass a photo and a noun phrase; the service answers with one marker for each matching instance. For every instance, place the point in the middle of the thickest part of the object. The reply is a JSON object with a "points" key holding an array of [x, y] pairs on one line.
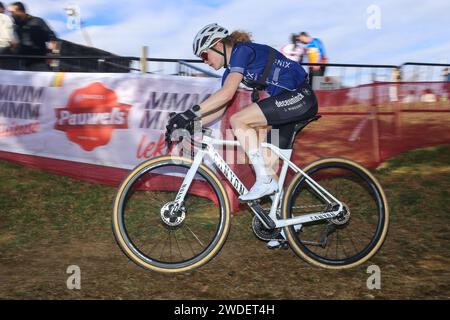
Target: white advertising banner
{"points": [[116, 120]]}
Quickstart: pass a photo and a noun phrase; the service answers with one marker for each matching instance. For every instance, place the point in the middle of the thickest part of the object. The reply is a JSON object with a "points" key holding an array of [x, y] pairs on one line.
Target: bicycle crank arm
{"points": [[265, 219]]}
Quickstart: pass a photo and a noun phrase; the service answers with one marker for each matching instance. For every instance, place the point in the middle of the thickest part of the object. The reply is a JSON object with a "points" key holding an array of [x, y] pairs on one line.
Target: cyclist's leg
{"points": [[283, 112], [244, 125], [282, 109]]}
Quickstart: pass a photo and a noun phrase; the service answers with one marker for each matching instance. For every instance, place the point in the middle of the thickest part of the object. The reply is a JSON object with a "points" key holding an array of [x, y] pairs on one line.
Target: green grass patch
{"points": [[42, 215], [34, 203]]}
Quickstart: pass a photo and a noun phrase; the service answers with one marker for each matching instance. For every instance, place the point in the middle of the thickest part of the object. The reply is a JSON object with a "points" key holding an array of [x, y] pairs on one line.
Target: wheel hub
{"points": [[173, 216], [343, 217]]}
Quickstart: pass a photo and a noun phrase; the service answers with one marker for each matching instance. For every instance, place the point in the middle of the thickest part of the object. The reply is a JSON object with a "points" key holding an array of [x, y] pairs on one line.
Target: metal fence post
{"points": [[374, 117], [396, 75], [144, 55]]}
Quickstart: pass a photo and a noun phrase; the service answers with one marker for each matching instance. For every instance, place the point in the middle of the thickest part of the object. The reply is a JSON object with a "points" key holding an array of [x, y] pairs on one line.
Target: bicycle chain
{"points": [[308, 206]]}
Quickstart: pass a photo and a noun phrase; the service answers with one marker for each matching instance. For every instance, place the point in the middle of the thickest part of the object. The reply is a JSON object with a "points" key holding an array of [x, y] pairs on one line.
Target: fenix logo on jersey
{"points": [[282, 63], [91, 115]]}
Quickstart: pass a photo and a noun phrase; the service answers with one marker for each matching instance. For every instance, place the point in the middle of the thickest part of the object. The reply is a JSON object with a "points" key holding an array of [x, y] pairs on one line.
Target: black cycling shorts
{"points": [[290, 106], [283, 111]]}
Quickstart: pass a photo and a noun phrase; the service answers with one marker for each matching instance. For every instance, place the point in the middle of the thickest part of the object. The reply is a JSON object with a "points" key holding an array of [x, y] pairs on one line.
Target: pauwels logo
{"points": [[91, 115]]}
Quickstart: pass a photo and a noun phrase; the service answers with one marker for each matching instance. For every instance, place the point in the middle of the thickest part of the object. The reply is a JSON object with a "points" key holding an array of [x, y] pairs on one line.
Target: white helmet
{"points": [[204, 38]]}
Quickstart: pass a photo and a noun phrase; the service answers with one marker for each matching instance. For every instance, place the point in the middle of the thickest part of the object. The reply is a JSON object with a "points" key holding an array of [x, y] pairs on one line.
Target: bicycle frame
{"points": [[283, 154]]}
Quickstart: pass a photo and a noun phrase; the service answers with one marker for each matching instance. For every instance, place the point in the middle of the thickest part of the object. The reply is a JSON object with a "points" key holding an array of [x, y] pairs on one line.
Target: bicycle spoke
{"points": [[178, 245], [345, 253], [154, 246], [351, 240], [170, 245], [353, 243], [195, 236], [328, 248], [164, 246], [189, 244], [337, 244]]}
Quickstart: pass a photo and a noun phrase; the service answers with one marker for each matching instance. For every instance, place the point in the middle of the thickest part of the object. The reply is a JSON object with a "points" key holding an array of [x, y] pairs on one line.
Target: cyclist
{"points": [[290, 100]]}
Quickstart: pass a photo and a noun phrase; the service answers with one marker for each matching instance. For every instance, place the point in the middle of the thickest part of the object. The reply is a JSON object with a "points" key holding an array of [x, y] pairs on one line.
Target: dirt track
{"points": [[37, 247], [244, 269]]}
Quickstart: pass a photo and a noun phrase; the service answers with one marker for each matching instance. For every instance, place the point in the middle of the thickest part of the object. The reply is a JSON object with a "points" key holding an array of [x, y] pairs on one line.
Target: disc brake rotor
{"points": [[343, 217], [171, 216]]}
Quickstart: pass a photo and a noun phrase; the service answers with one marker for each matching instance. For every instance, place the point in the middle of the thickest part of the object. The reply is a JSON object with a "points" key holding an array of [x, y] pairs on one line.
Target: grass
{"points": [[48, 222], [36, 204]]}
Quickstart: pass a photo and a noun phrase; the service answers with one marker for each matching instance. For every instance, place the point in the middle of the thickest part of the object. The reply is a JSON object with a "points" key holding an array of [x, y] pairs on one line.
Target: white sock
{"points": [[257, 160]]}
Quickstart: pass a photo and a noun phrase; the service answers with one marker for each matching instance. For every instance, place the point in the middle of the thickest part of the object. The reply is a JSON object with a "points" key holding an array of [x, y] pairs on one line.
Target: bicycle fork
{"points": [[179, 199]]}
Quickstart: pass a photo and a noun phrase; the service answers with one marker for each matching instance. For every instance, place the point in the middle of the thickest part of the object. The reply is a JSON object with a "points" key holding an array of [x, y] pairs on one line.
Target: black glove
{"points": [[182, 120]]}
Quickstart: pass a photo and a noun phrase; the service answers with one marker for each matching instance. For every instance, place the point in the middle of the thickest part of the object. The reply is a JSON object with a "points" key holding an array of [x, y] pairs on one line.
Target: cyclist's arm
{"points": [[213, 116], [221, 97]]}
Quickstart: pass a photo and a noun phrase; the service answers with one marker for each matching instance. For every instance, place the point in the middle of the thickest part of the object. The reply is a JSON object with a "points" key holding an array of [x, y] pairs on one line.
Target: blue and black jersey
{"points": [[250, 59]]}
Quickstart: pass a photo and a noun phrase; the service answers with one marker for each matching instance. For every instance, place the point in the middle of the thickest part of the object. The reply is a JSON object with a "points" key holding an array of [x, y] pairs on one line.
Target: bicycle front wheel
{"points": [[352, 237], [158, 237]]}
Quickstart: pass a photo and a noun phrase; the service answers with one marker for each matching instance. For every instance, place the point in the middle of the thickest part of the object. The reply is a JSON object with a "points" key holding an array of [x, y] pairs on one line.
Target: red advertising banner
{"points": [[96, 129]]}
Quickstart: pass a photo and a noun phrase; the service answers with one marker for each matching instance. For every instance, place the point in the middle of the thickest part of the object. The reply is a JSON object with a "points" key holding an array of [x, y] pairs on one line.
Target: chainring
{"points": [[261, 232]]}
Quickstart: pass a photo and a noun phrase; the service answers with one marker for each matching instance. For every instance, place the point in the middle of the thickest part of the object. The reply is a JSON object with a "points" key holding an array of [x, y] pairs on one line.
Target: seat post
{"points": [[299, 127]]}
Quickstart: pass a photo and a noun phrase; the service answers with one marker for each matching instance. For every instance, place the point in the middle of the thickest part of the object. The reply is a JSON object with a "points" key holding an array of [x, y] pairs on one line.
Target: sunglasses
{"points": [[204, 54]]}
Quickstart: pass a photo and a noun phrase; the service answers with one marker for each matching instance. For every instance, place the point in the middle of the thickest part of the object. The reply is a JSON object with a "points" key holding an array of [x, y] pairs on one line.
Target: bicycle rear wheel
{"points": [[352, 237], [155, 236]]}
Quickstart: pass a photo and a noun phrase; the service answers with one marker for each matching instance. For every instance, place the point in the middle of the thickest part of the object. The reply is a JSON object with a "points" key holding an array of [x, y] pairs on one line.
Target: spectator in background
{"points": [[446, 74], [315, 52], [6, 31], [293, 50], [33, 35]]}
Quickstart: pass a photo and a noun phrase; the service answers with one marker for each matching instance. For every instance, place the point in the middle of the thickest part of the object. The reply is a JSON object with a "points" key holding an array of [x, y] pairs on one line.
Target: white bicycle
{"points": [[172, 214]]}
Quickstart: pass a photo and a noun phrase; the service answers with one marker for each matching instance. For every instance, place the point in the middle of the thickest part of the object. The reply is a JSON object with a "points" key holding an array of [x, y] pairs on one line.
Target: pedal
{"points": [[276, 244]]}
